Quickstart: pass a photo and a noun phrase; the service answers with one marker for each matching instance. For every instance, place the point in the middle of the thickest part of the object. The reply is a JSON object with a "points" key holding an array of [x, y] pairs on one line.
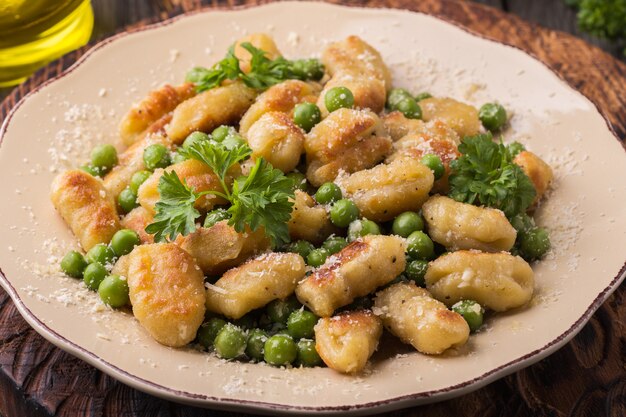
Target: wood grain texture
{"points": [[585, 378]]}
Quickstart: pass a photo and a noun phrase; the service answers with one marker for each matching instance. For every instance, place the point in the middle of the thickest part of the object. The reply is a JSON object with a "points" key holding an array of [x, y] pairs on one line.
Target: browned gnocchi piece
{"points": [[276, 138], [166, 290], [368, 92], [138, 219], [282, 97], [196, 174], [411, 314], [220, 247], [347, 140], [461, 117], [346, 341], [152, 108], [309, 221], [399, 126], [355, 271], [254, 284], [465, 226], [537, 170], [261, 41], [383, 192], [499, 281], [220, 106], [86, 207]]}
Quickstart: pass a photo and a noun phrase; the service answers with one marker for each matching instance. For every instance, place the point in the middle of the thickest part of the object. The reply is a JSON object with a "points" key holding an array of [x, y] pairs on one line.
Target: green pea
{"points": [[343, 212], [209, 330], [156, 156], [410, 109], [422, 96], [137, 179], [220, 133], [127, 200], [300, 324], [492, 116], [434, 163], [307, 354], [420, 246], [124, 241], [113, 291], [407, 223], [327, 193], [73, 264], [471, 311], [177, 158], [230, 342], [256, 344], [93, 275], [104, 157], [362, 227], [216, 216], [308, 69], [334, 244], [279, 310], [233, 141], [306, 115], [515, 148], [301, 247], [534, 244], [299, 180], [195, 137], [91, 170], [317, 257], [395, 96], [101, 253], [337, 98], [280, 350], [416, 271], [522, 223]]}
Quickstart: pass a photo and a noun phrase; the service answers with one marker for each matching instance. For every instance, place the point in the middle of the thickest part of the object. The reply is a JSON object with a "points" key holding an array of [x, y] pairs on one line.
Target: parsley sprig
{"points": [[486, 175], [263, 74], [260, 199]]}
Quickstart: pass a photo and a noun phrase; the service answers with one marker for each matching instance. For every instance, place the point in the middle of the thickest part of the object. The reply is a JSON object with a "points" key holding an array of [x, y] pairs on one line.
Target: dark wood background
{"points": [[585, 378]]}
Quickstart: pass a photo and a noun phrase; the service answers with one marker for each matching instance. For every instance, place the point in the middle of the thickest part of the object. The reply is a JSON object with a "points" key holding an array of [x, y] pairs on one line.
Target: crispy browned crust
{"points": [[309, 221], [138, 219]]}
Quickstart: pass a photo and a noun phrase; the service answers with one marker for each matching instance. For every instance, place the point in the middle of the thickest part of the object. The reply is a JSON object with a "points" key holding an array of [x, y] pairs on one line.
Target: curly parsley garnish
{"points": [[260, 199], [486, 175], [263, 74]]}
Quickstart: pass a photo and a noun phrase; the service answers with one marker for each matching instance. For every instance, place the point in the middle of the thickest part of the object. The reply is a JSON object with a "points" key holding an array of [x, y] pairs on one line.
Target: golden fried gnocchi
{"points": [[166, 290], [398, 126], [355, 271], [383, 192], [461, 117], [220, 247], [196, 174], [346, 341], [347, 140], [220, 106], [465, 226], [276, 138], [411, 314], [152, 108], [86, 207], [282, 97], [254, 284], [368, 92], [262, 41], [499, 281], [537, 170], [138, 219], [309, 221]]}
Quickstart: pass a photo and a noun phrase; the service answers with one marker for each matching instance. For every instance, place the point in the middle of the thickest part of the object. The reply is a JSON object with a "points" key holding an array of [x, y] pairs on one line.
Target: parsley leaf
{"points": [[486, 175], [175, 211], [263, 199], [264, 72], [260, 199]]}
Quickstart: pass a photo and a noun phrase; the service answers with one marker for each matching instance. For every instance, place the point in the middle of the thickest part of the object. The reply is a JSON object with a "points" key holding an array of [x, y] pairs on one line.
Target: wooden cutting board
{"points": [[585, 378]]}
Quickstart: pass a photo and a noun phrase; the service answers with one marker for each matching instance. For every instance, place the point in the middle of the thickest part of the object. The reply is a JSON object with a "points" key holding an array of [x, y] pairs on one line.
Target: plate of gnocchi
{"points": [[278, 210]]}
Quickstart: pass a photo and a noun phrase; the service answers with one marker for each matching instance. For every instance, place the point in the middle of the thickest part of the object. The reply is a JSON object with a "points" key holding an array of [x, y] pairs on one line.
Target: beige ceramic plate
{"points": [[57, 125]]}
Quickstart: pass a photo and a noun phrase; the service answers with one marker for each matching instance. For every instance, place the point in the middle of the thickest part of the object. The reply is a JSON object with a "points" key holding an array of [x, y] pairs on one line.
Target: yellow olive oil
{"points": [[34, 32]]}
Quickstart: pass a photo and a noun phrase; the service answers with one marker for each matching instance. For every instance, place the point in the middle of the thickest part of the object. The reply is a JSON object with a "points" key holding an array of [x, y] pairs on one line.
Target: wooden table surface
{"points": [[587, 377]]}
